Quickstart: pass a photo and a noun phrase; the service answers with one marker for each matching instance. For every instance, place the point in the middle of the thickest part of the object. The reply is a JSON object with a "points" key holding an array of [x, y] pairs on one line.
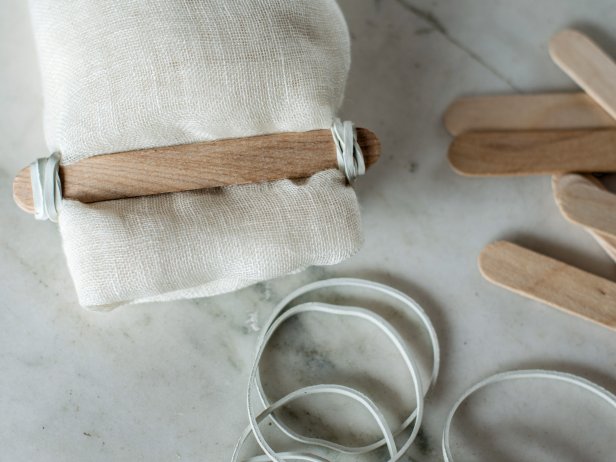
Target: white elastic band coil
{"points": [[281, 314], [349, 154], [46, 187], [519, 375]]}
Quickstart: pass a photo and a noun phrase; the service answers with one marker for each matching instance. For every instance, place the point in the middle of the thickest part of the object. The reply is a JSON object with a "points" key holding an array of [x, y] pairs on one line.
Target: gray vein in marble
{"points": [[437, 25], [24, 263]]}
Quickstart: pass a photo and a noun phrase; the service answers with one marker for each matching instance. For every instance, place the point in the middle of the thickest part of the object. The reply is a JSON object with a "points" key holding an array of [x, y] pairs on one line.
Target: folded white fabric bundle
{"points": [[120, 75]]}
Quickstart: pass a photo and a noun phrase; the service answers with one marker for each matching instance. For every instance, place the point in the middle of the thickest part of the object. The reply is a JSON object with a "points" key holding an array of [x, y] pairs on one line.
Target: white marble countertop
{"points": [[166, 381]]}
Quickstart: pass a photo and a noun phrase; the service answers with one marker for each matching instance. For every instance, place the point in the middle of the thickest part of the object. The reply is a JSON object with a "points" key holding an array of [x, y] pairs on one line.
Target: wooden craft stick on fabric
{"points": [[197, 166], [588, 65], [549, 111], [550, 281], [533, 152]]}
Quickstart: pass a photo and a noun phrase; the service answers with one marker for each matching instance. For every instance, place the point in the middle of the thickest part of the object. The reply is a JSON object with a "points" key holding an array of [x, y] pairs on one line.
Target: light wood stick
{"points": [[583, 200], [543, 152], [549, 111], [588, 65], [197, 166], [607, 243], [550, 281]]}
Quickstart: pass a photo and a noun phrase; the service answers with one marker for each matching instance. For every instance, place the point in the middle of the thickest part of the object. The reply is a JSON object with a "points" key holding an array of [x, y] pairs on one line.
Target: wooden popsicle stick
{"points": [[588, 65], [541, 152], [549, 111], [607, 243], [550, 281], [583, 200], [197, 166]]}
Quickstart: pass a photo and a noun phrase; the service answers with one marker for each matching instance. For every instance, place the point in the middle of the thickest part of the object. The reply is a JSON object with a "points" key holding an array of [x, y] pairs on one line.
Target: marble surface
{"points": [[166, 381]]}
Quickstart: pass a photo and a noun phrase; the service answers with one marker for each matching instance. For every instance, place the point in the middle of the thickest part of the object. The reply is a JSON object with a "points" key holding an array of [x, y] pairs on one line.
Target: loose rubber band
{"points": [[280, 315], [519, 375]]}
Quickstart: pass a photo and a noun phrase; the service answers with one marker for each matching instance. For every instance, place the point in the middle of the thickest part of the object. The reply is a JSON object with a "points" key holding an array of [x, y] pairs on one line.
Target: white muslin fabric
{"points": [[120, 75]]}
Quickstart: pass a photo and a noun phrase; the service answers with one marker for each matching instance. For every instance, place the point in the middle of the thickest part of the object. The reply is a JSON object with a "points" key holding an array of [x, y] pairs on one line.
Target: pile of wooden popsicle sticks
{"points": [[569, 136]]}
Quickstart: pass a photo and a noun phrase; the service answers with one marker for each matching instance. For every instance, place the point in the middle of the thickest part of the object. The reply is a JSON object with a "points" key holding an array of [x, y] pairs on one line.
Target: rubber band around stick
{"points": [[348, 151], [46, 187]]}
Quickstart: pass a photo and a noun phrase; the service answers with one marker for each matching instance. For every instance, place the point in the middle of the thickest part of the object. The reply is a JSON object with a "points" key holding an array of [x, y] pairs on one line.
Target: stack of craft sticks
{"points": [[569, 136]]}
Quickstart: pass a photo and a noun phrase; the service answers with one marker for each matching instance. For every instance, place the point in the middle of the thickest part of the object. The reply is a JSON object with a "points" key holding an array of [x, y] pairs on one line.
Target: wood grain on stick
{"points": [[550, 111], [533, 152], [588, 65], [198, 166], [550, 281], [583, 200]]}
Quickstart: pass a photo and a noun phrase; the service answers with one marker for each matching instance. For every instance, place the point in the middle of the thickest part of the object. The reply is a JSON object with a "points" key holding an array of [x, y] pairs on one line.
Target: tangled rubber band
{"points": [[283, 313]]}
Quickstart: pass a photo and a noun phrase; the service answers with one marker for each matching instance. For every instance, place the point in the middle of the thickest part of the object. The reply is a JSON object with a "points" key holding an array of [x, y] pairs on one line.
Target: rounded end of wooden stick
{"points": [[486, 257], [370, 146], [22, 191], [563, 185], [562, 41], [456, 155], [584, 200], [453, 120]]}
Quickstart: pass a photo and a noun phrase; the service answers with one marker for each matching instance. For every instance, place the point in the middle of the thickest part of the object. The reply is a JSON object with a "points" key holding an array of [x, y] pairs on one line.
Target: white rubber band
{"points": [[340, 390], [518, 375], [46, 187], [280, 315], [408, 303], [348, 152]]}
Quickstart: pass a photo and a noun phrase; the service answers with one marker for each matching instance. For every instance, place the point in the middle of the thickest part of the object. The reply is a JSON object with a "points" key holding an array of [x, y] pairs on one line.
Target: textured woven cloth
{"points": [[120, 75]]}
